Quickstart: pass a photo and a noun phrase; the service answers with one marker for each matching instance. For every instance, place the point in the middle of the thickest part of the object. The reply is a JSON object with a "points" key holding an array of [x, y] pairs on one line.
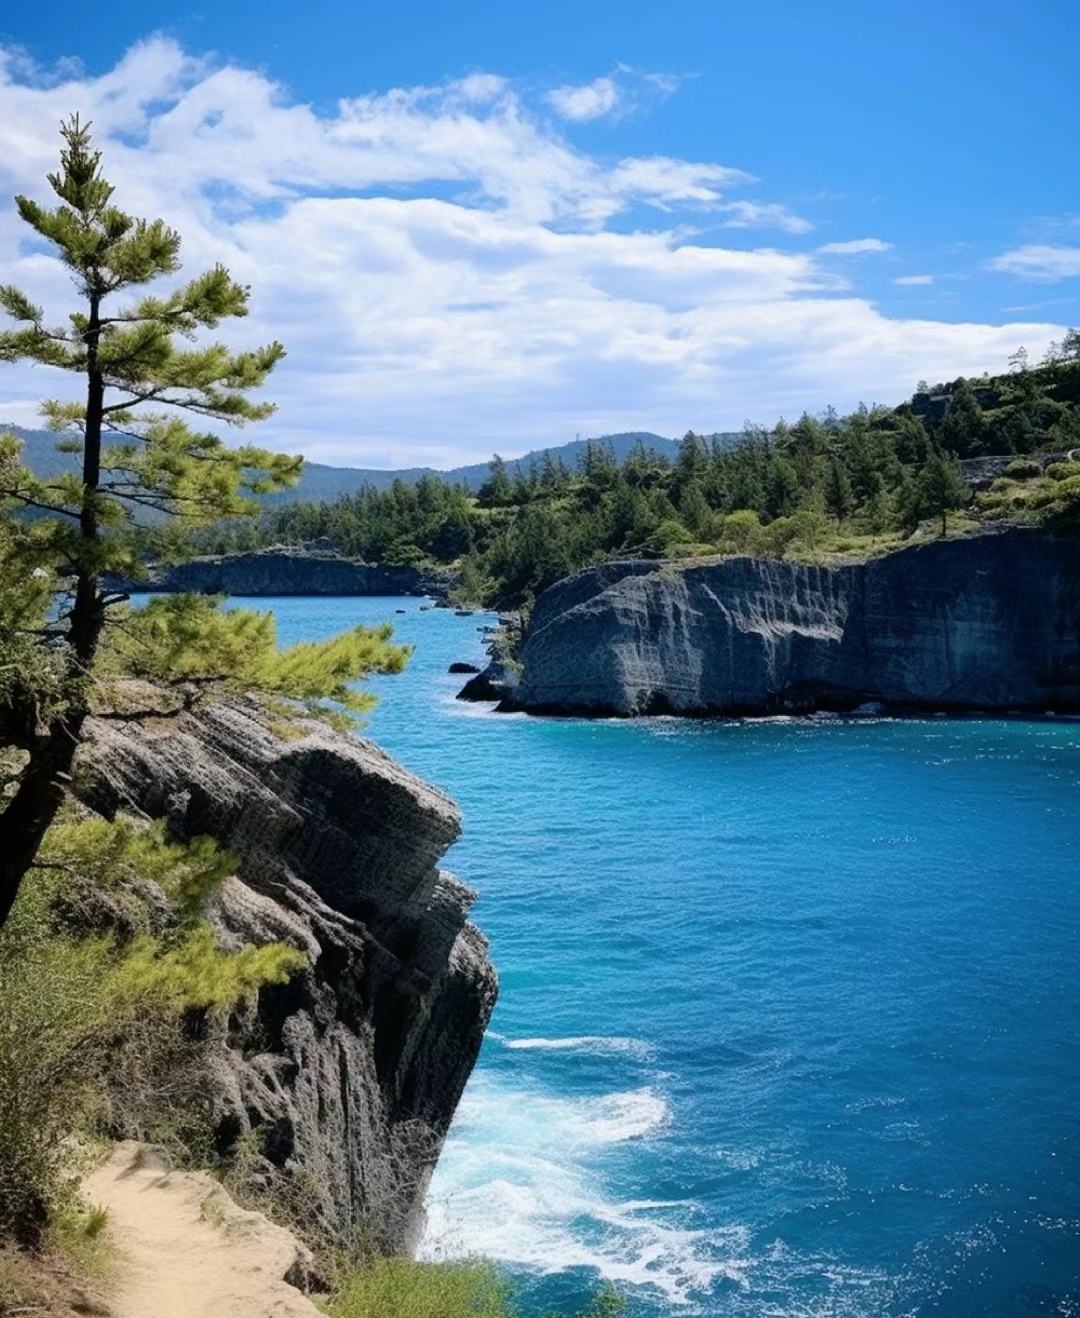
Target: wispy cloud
{"points": [[1040, 261], [592, 100], [625, 90], [763, 215], [451, 274], [913, 281], [855, 247]]}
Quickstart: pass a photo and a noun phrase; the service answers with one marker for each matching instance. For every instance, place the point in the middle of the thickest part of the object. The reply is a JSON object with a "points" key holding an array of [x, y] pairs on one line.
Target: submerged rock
{"points": [[988, 622], [348, 1076]]}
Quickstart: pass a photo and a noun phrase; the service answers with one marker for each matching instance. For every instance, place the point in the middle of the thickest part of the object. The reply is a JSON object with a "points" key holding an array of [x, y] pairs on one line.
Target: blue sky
{"points": [[489, 226]]}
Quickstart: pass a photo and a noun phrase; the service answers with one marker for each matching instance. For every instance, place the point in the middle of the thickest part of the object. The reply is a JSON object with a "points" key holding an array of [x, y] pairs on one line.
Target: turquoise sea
{"points": [[789, 1024]]}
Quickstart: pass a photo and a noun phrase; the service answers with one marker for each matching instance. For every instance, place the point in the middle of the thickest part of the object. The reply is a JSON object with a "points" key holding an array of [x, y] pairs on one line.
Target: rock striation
{"points": [[987, 622], [291, 572], [345, 1079]]}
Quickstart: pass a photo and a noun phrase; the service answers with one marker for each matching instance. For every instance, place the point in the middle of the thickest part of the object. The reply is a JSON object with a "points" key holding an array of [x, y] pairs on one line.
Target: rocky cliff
{"points": [[291, 572], [343, 1081], [990, 622]]}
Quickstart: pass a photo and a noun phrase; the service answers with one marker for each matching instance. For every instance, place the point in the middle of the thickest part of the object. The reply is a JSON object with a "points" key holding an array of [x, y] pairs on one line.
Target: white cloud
{"points": [[446, 270], [1039, 261], [593, 100], [914, 280], [625, 90], [856, 247], [757, 215]]}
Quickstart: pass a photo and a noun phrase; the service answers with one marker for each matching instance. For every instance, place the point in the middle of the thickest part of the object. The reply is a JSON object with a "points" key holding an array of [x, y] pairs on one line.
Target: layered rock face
{"points": [[989, 622], [287, 572], [346, 1078]]}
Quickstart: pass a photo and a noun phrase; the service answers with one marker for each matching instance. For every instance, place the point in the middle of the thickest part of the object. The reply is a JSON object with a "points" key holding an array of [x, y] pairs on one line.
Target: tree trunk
{"points": [[44, 781], [33, 808]]}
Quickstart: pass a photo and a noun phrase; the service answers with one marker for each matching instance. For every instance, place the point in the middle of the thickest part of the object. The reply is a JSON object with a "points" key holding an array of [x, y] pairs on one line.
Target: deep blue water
{"points": [[789, 1020]]}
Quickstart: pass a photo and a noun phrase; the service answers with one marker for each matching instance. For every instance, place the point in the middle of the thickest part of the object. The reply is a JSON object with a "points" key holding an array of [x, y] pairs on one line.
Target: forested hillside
{"points": [[853, 484], [319, 481]]}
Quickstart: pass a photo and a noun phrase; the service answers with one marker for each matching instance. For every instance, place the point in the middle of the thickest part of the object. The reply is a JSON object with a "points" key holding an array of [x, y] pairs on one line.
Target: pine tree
{"points": [[497, 491], [137, 450], [961, 430], [941, 487], [839, 499]]}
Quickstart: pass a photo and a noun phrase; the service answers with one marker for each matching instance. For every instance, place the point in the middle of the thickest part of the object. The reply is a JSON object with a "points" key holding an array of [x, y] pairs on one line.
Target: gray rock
{"points": [[349, 1074], [498, 681], [987, 622], [291, 572]]}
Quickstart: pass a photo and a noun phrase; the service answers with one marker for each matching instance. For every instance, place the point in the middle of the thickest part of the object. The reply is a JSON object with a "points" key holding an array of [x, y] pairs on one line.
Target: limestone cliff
{"points": [[292, 572], [989, 622], [344, 1080]]}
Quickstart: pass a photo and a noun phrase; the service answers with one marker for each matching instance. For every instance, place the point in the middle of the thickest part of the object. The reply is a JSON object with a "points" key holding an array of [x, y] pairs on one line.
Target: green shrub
{"points": [[803, 530], [1022, 469], [49, 987], [471, 1288], [741, 532], [84, 1012], [668, 536], [400, 1288]]}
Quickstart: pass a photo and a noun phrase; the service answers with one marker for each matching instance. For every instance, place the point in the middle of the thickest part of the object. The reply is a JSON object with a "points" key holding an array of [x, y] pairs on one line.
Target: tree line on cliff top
{"points": [[849, 484]]}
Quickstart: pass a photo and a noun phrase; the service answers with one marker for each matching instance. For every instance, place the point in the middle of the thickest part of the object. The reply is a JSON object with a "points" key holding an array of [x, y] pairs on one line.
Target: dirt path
{"points": [[185, 1250]]}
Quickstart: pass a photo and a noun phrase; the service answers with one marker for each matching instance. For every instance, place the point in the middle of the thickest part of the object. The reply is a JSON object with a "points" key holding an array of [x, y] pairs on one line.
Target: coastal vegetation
{"points": [[848, 485], [469, 1289]]}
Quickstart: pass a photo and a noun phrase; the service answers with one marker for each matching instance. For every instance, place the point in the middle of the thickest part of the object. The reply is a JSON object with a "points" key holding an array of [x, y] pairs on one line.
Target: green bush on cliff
{"points": [[104, 950], [470, 1288], [400, 1288]]}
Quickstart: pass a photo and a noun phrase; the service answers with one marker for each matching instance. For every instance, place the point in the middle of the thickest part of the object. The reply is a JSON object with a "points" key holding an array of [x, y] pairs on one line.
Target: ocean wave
{"points": [[521, 1180], [526, 1179]]}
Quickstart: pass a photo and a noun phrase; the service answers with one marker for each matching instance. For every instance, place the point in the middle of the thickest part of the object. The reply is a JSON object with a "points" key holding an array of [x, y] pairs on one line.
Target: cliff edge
{"points": [[988, 622], [291, 572], [341, 1084]]}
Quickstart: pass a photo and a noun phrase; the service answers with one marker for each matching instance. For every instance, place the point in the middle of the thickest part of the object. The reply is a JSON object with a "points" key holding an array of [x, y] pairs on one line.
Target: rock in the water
{"points": [[349, 1074], [460, 667], [498, 681], [987, 622]]}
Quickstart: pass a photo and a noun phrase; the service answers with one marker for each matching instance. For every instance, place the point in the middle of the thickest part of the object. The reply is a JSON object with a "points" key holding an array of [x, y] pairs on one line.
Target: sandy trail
{"points": [[185, 1250]]}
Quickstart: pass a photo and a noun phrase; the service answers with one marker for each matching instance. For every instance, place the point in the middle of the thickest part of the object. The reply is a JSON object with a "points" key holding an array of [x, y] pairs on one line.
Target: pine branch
{"points": [[28, 502]]}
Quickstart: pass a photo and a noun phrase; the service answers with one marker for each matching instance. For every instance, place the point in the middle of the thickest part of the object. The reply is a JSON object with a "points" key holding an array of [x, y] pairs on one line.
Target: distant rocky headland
{"points": [[988, 622], [311, 570]]}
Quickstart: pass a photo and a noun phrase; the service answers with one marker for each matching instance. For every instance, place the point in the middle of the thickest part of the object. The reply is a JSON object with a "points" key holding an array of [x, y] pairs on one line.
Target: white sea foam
{"points": [[525, 1179], [482, 709], [521, 1180], [598, 1044]]}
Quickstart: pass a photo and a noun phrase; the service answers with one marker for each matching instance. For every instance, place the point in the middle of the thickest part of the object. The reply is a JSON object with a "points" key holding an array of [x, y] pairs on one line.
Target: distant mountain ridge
{"points": [[321, 482]]}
